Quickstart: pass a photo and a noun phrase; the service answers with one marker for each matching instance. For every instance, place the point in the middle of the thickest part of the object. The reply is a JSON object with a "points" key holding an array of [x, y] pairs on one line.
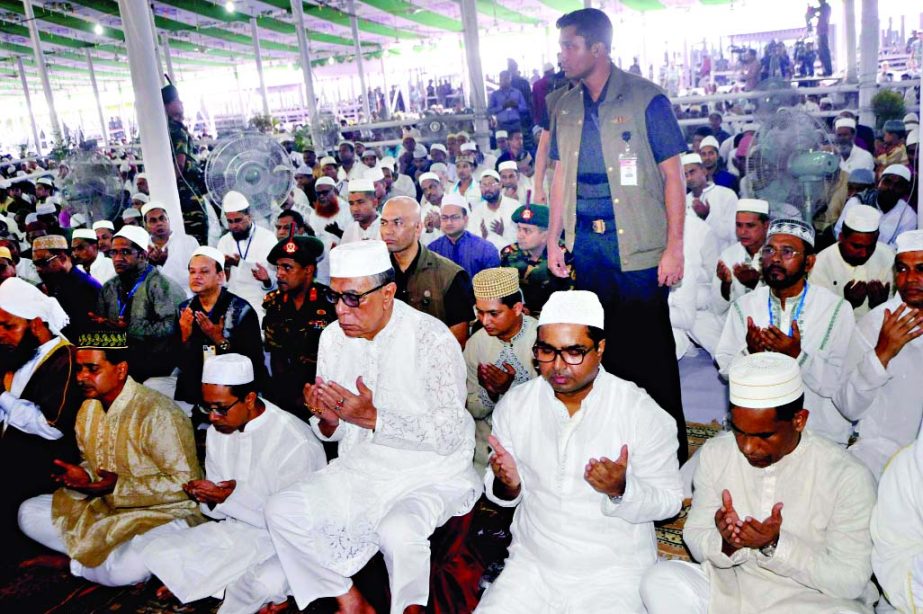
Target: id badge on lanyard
{"points": [[628, 163]]}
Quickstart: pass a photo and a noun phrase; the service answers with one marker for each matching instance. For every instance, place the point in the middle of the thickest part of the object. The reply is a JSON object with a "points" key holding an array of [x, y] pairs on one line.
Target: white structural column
{"points": [[42, 70], [25, 91], [849, 21], [258, 52], [868, 61], [156, 149], [99, 105], [298, 17], [469, 16], [168, 58], [385, 112], [152, 17], [354, 25]]}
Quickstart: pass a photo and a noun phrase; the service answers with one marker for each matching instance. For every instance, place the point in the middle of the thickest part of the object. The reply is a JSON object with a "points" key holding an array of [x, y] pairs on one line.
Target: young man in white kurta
{"points": [[721, 202], [390, 486], [576, 549], [881, 388], [234, 559], [751, 225]]}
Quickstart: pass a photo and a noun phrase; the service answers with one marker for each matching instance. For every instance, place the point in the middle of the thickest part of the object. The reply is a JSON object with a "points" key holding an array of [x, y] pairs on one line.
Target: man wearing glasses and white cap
{"points": [[589, 460], [391, 390]]}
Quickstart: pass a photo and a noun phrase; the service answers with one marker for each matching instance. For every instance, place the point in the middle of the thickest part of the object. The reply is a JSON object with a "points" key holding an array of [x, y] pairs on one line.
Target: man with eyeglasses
{"points": [[296, 314], [76, 291], [589, 461], [253, 449], [137, 450], [390, 388], [467, 250], [791, 316]]}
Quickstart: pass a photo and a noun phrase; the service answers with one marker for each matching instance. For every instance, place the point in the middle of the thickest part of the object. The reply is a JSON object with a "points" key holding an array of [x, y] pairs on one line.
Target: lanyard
{"points": [[243, 256], [795, 313], [131, 293]]}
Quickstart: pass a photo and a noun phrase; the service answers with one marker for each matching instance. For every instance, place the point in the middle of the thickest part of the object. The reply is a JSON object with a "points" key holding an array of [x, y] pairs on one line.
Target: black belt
{"points": [[598, 226]]}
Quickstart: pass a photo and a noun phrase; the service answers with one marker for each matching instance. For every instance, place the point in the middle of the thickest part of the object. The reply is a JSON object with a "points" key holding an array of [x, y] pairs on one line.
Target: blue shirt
{"points": [[470, 252]]}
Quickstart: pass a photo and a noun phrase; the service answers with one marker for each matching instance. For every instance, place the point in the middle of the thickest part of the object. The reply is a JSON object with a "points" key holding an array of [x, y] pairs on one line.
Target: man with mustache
{"points": [[790, 316], [896, 215]]}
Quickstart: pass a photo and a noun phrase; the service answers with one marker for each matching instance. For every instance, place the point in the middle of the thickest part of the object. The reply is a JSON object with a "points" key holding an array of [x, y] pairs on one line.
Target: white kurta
{"points": [[428, 236], [690, 301], [504, 214], [826, 323], [328, 526], [887, 403], [821, 563], [355, 232], [858, 158], [899, 219], [722, 214], [179, 251], [403, 186], [251, 251], [23, 414], [472, 194], [563, 529], [102, 269], [897, 530], [274, 451], [833, 273], [733, 255]]}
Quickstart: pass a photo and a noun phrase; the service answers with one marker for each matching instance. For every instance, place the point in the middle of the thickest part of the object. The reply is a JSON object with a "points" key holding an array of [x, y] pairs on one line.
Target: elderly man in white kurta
{"points": [[738, 270], [857, 267], [589, 461], [780, 517], [390, 389], [897, 529], [253, 450], [791, 316], [881, 387], [713, 203]]}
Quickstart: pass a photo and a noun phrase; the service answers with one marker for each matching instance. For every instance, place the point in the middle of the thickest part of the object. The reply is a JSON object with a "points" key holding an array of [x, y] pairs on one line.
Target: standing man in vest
{"points": [[618, 195]]}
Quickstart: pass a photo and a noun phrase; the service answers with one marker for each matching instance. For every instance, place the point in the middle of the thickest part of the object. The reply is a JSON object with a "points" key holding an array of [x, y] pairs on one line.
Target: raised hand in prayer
{"points": [[76, 478], [334, 229], [206, 491], [608, 476], [855, 292], [484, 232], [878, 293], [157, 255], [747, 275], [897, 329], [357, 409], [231, 260], [185, 324], [724, 273], [751, 533], [774, 340], [214, 332], [497, 226], [700, 207], [727, 522], [754, 337], [502, 463], [496, 381], [318, 407], [260, 273]]}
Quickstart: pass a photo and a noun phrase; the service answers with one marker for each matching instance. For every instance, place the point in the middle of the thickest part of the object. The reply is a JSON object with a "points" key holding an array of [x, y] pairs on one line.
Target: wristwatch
{"points": [[768, 550], [616, 499]]}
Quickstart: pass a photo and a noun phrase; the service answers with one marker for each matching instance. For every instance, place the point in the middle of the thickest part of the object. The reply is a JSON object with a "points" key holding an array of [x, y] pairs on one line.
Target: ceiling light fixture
{"points": [[229, 6], [98, 29]]}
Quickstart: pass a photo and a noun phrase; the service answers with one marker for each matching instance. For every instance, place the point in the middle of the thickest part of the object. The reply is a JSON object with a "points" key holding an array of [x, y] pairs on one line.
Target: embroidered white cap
{"points": [[794, 227], [136, 235], [573, 307], [909, 241], [235, 201], [227, 370], [764, 380], [456, 200], [753, 205], [359, 259], [862, 218]]}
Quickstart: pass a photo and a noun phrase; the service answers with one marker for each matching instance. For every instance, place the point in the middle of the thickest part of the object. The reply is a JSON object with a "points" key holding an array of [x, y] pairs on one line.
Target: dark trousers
{"points": [[639, 339], [823, 51]]}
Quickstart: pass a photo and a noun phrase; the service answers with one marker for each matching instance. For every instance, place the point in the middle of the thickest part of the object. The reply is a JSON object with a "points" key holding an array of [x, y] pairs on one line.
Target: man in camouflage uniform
{"points": [[528, 256], [190, 178], [296, 314]]}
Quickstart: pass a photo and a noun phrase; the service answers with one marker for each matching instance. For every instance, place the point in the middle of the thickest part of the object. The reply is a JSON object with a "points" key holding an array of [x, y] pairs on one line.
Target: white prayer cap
{"points": [[136, 235], [753, 205], [325, 180], [104, 224], [124, 168], [359, 259], [368, 152], [456, 200], [77, 220], [862, 218], [572, 307], [387, 161], [826, 100], [45, 208], [897, 169], [304, 169], [490, 173], [438, 147], [23, 300], [764, 380], [911, 118], [374, 174], [793, 227], [909, 241], [361, 185], [469, 146], [348, 143], [438, 167], [691, 158], [46, 181], [140, 176], [913, 137], [502, 134], [141, 197], [83, 233], [227, 370], [709, 141], [235, 201], [208, 252], [428, 177], [419, 152], [845, 122], [508, 165], [327, 161], [155, 205]]}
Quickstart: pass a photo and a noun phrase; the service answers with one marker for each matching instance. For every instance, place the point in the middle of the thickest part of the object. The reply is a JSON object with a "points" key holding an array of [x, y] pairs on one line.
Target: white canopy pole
{"points": [[475, 73], [165, 45], [868, 67], [99, 105], [354, 25], [152, 17], [385, 112], [849, 18], [42, 72], [25, 91], [298, 17], [152, 118], [258, 52]]}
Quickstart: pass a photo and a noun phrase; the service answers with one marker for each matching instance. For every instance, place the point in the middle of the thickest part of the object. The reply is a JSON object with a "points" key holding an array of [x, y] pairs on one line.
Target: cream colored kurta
{"points": [[722, 214], [822, 561], [833, 273], [145, 439]]}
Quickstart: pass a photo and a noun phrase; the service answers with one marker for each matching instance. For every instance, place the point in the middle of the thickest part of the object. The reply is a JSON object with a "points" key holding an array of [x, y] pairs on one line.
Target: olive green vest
{"points": [[431, 279], [640, 213]]}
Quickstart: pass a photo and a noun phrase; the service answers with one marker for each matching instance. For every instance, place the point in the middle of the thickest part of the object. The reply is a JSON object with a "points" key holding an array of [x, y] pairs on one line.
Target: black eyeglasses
{"points": [[221, 410], [573, 355], [124, 253], [351, 299], [41, 264]]}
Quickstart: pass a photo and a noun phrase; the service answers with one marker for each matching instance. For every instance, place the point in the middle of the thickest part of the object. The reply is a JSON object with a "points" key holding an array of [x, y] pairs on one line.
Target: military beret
{"points": [[300, 248], [537, 215]]}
